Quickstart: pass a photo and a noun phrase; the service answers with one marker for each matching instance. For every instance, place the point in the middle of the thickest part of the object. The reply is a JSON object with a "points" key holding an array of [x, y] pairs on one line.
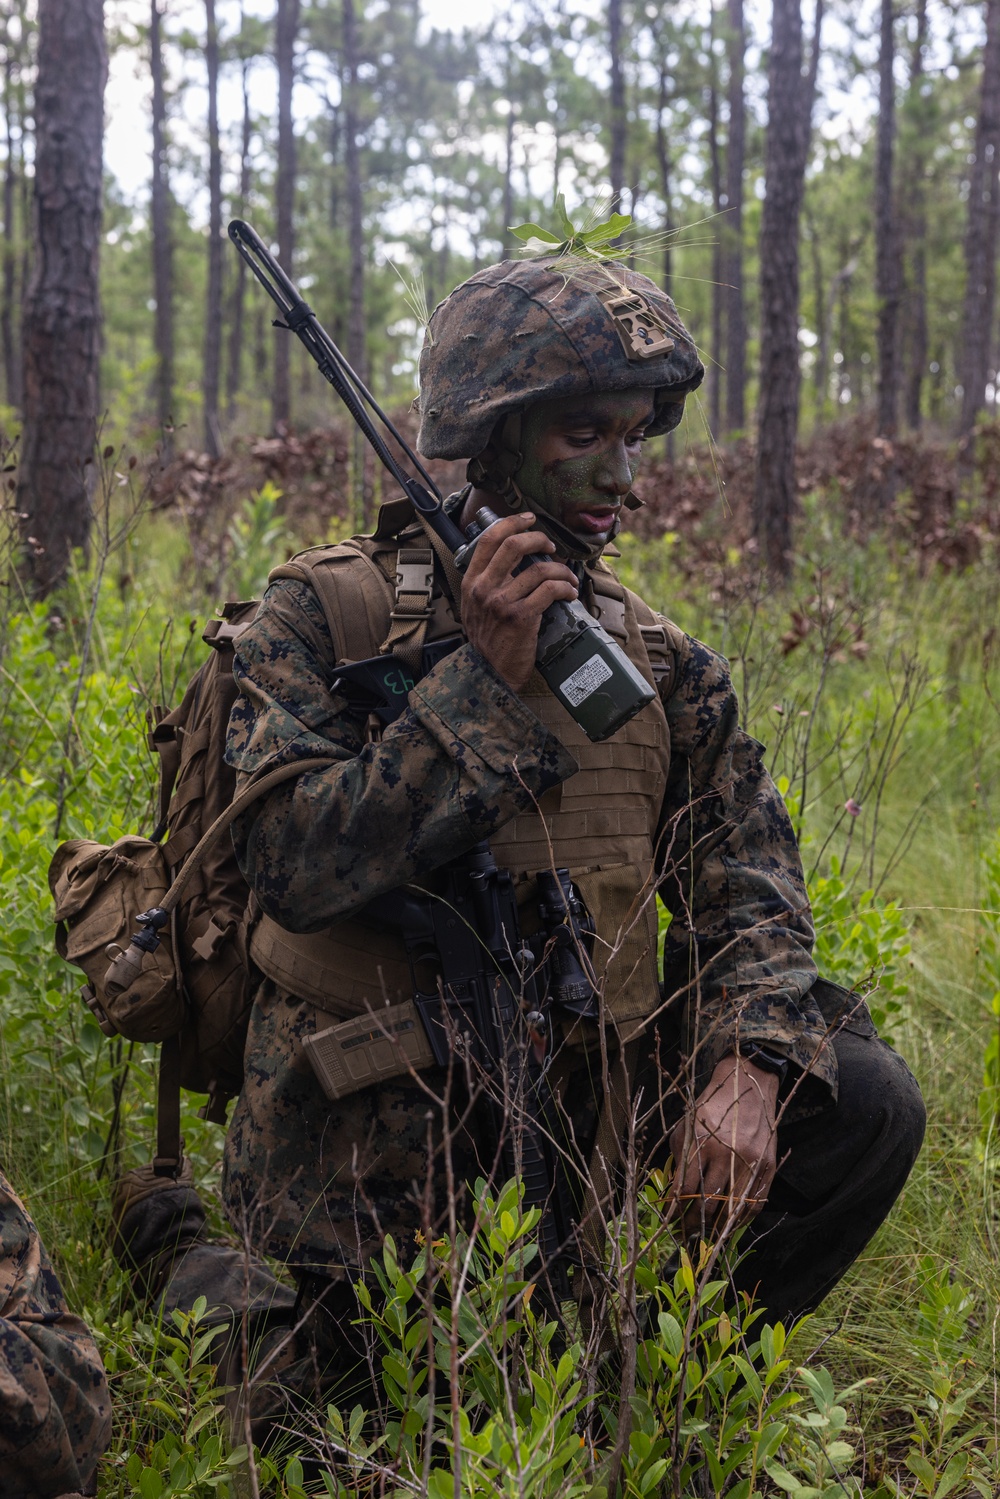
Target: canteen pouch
{"points": [[99, 891]]}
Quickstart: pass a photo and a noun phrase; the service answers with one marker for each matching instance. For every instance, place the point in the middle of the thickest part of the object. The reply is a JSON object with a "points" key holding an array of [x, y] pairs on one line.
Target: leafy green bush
{"points": [[862, 942], [257, 538], [177, 1448], [521, 1408], [989, 1097]]}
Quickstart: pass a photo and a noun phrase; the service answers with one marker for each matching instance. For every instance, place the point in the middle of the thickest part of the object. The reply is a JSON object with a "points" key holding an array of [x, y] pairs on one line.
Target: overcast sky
{"points": [[846, 101], [127, 140]]}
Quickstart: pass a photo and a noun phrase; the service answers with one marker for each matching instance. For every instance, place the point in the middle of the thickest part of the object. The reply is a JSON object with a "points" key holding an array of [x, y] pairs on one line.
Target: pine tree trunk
{"points": [[663, 161], [736, 332], [717, 353], [356, 352], [790, 98], [163, 270], [507, 210], [619, 122], [11, 363], [887, 267], [981, 232], [916, 296], [287, 26], [62, 321], [234, 377], [822, 365], [213, 299]]}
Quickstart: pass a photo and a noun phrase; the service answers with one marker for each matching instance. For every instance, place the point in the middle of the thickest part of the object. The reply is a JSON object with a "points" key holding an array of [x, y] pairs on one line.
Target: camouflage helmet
{"points": [[538, 329]]}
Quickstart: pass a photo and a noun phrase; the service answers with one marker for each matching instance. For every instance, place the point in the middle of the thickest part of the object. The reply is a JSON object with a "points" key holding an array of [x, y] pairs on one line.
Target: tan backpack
{"points": [[185, 985], [188, 990]]}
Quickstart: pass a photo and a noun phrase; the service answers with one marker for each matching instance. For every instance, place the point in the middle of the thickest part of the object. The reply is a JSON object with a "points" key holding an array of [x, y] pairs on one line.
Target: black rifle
{"points": [[481, 992]]}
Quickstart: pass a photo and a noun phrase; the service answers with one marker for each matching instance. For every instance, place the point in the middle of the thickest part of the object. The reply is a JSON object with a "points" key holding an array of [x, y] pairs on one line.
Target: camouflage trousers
{"points": [[55, 1410]]}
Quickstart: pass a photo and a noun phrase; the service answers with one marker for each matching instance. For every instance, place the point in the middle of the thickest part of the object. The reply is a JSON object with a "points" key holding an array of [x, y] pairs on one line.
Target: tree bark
{"points": [[507, 210], [619, 122], [356, 351], [916, 296], [981, 232], [888, 289], [213, 298], [822, 366], [790, 99], [11, 363], [736, 332], [235, 371], [62, 323], [663, 161], [163, 250], [717, 358], [286, 30]]}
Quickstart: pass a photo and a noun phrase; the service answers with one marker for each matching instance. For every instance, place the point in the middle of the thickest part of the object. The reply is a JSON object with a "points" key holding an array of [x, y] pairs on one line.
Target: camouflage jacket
{"points": [[443, 777], [55, 1411]]}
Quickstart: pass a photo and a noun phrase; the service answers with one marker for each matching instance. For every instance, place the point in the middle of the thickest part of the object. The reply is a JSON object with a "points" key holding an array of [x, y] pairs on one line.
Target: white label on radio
{"points": [[585, 680]]}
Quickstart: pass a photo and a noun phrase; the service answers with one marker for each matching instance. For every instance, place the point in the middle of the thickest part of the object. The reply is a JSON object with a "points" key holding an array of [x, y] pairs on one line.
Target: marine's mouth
{"points": [[595, 520]]}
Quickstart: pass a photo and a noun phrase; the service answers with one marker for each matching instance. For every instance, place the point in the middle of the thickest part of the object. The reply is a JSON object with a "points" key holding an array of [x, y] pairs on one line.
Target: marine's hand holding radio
{"points": [[502, 608]]}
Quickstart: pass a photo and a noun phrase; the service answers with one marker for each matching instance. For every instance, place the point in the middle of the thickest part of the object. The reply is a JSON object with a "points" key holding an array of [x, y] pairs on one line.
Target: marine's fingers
{"points": [[509, 540], [534, 605], [524, 584]]}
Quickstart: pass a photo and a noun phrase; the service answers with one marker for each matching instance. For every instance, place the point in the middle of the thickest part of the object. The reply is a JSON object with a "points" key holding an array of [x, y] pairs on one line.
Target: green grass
{"points": [[870, 626]]}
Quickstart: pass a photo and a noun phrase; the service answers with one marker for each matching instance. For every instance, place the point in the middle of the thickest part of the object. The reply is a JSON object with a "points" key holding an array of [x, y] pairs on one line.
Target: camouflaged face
{"points": [[534, 330], [55, 1410]]}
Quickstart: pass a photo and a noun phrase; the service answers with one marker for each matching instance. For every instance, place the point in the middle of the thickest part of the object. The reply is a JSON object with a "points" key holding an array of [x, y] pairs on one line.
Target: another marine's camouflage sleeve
{"points": [[55, 1411], [741, 936], [464, 758]]}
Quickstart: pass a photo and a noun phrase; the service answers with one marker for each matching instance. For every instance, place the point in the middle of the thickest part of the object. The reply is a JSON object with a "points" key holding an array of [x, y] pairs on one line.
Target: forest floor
{"points": [[874, 682]]}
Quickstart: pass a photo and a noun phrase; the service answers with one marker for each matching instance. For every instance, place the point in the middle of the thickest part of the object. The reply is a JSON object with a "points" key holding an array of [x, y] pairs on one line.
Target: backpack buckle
{"points": [[415, 573]]}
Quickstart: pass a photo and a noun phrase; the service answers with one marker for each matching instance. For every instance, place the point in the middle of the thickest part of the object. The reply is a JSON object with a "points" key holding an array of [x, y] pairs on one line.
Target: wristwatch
{"points": [[767, 1061]]}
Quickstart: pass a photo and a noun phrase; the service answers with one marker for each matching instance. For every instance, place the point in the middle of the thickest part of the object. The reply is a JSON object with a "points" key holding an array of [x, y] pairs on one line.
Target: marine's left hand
{"points": [[725, 1148]]}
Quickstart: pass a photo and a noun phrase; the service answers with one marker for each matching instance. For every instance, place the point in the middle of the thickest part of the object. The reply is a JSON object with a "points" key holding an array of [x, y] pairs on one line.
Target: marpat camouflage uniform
{"points": [[55, 1411], [335, 1176]]}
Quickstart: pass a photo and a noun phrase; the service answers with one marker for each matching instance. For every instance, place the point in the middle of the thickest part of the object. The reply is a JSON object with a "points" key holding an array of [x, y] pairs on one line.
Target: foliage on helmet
{"points": [[550, 326]]}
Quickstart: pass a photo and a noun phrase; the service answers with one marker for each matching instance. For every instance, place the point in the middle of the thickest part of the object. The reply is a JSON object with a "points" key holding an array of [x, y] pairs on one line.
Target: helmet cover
{"points": [[543, 328]]}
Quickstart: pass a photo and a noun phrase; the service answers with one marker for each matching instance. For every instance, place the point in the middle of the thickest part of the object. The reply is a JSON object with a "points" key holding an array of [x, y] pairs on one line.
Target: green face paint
{"points": [[585, 492]]}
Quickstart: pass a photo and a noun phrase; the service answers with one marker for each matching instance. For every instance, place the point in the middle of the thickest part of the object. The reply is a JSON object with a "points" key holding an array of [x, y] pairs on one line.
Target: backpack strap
{"points": [[354, 584], [660, 638], [662, 641], [353, 590], [169, 1156], [411, 611], [169, 1146]]}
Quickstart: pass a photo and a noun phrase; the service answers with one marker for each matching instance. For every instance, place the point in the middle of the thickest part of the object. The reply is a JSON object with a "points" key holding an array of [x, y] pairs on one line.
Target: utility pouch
{"points": [[100, 891], [368, 1049]]}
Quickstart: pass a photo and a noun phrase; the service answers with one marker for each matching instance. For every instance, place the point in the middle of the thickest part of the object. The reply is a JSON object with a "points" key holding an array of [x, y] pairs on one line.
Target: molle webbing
{"points": [[599, 824], [342, 970], [356, 593]]}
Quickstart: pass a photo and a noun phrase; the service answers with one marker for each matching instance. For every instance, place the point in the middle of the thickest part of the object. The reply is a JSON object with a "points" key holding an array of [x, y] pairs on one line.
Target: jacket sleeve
{"points": [[55, 1411], [739, 945], [465, 756]]}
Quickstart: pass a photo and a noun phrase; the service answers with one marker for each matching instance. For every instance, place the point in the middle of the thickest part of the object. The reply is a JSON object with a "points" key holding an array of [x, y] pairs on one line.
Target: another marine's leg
{"points": [[55, 1410]]}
